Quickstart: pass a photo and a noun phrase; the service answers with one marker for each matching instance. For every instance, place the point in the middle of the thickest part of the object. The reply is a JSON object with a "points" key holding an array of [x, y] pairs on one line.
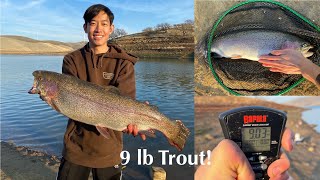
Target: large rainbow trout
{"points": [[103, 106], [254, 43]]}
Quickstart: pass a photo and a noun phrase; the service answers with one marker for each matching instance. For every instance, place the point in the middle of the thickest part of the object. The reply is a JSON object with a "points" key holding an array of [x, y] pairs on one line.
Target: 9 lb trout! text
{"points": [[103, 106]]}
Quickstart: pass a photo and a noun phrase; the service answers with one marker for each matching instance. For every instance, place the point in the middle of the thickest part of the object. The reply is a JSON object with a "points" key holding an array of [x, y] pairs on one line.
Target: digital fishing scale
{"points": [[258, 132]]}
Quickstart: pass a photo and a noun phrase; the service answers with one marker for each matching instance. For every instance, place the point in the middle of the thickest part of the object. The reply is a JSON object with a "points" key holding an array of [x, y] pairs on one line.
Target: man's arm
{"points": [[311, 72], [291, 61]]}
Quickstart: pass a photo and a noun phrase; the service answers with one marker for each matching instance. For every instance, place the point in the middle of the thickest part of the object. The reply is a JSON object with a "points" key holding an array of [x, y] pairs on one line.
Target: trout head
{"points": [[303, 47], [44, 85]]}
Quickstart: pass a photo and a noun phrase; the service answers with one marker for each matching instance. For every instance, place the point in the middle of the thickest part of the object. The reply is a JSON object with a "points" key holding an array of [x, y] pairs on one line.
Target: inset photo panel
{"points": [[260, 48], [257, 137]]}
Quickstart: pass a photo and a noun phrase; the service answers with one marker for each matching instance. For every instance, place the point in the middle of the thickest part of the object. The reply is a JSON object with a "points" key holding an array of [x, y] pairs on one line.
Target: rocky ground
{"points": [[23, 163]]}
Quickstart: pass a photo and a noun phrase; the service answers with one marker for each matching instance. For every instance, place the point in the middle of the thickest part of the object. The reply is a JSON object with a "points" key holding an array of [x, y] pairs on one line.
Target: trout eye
{"points": [[40, 78]]}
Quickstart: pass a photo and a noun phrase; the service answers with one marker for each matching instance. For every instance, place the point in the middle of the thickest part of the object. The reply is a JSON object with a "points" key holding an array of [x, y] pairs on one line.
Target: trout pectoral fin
{"points": [[54, 106], [103, 131], [154, 107], [150, 133], [50, 102]]}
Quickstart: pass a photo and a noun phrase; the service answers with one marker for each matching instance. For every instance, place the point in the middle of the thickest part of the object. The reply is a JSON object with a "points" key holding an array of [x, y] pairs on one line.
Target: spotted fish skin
{"points": [[103, 106], [254, 43]]}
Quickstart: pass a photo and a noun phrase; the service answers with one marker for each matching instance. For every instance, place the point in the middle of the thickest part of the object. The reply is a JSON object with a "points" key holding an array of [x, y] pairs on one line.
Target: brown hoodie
{"points": [[83, 144]]}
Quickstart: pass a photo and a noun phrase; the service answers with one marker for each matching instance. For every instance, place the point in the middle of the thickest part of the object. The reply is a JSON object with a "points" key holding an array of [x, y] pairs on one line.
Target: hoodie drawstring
{"points": [[92, 58], [101, 59]]}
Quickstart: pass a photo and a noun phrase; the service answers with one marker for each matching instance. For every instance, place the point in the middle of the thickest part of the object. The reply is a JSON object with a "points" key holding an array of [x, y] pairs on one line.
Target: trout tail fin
{"points": [[180, 139]]}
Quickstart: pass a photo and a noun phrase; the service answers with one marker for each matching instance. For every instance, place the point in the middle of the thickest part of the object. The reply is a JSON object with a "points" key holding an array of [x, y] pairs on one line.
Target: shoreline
{"points": [[142, 56], [21, 162]]}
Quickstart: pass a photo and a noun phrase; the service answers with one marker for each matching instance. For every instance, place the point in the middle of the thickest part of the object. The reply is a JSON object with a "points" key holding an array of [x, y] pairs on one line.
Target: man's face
{"points": [[99, 29]]}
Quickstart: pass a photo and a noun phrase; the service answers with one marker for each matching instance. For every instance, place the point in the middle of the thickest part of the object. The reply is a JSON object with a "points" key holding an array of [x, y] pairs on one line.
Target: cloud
{"points": [[31, 4], [39, 17]]}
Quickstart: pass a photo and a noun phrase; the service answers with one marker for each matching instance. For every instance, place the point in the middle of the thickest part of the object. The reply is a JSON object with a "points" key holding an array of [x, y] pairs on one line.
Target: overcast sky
{"points": [[62, 20]]}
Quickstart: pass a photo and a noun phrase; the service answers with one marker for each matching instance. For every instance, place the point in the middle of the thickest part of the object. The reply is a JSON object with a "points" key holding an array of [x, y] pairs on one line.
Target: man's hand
{"points": [[291, 61], [229, 162], [288, 61], [133, 129], [278, 169]]}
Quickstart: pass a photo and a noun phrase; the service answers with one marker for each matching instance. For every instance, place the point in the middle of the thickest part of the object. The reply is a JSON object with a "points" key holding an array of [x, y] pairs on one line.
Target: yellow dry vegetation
{"points": [[15, 45]]}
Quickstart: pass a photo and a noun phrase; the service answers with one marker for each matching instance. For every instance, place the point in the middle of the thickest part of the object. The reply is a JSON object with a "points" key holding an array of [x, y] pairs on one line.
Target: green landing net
{"points": [[242, 77]]}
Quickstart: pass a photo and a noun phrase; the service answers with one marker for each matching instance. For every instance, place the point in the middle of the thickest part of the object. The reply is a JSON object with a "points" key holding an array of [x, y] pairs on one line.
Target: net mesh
{"points": [[250, 77]]}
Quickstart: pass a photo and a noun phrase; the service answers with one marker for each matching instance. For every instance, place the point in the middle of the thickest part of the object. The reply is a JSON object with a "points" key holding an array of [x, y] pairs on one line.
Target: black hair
{"points": [[94, 10]]}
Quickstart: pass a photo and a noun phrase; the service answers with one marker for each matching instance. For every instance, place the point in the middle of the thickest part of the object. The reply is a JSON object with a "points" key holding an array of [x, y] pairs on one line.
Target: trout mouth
{"points": [[34, 90]]}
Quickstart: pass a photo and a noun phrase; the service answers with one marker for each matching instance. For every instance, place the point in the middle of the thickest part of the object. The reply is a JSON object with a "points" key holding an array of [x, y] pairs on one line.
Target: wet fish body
{"points": [[103, 106], [252, 44]]}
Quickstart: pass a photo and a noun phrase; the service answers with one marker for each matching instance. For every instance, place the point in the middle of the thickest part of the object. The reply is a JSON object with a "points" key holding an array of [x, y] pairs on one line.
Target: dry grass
{"points": [[24, 45]]}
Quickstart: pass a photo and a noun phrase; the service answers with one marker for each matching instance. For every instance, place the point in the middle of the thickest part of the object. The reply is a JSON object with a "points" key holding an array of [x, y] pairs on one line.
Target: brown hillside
{"points": [[24, 45], [176, 41], [172, 42]]}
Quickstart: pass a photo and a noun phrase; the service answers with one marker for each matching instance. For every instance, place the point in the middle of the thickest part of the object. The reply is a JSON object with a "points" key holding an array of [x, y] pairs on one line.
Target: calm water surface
{"points": [[28, 121], [312, 116]]}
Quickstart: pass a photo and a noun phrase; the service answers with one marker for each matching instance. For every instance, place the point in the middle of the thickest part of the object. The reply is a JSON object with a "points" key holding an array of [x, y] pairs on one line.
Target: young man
{"points": [[85, 148]]}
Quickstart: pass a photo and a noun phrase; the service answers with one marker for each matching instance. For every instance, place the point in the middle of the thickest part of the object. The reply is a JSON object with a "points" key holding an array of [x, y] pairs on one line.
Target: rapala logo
{"points": [[254, 118]]}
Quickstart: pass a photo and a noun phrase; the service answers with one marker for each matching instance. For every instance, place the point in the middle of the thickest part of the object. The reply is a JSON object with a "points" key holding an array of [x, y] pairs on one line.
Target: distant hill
{"points": [[234, 101], [25, 45], [305, 101], [176, 41]]}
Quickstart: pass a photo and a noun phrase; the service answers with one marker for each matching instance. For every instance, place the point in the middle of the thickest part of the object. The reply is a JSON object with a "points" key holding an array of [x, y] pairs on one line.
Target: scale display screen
{"points": [[258, 131], [255, 139]]}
